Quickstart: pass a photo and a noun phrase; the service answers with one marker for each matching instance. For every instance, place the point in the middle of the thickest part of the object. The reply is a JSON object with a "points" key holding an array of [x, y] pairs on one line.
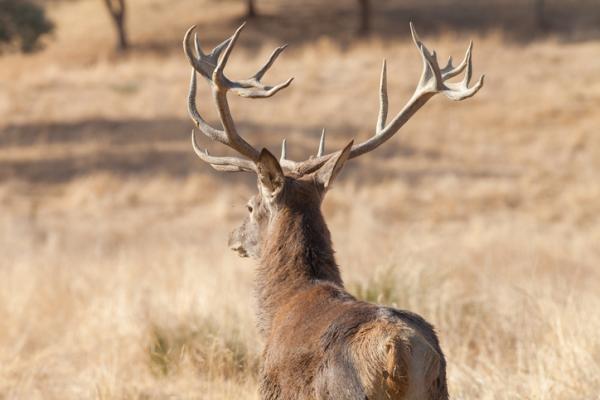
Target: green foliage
{"points": [[22, 23]]}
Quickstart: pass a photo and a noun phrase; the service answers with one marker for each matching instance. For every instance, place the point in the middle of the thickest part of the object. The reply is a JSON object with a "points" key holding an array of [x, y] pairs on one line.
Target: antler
{"points": [[211, 67], [433, 80]]}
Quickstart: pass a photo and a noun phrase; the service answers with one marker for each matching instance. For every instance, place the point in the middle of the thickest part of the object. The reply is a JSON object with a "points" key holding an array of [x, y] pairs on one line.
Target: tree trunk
{"points": [[116, 8], [250, 9], [364, 17], [539, 9]]}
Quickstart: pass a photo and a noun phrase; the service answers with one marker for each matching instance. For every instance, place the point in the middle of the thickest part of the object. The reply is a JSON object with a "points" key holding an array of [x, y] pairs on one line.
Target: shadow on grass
{"points": [[139, 148]]}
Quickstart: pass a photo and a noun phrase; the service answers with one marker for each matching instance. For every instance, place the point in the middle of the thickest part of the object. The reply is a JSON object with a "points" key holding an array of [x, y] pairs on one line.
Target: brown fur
{"points": [[322, 343]]}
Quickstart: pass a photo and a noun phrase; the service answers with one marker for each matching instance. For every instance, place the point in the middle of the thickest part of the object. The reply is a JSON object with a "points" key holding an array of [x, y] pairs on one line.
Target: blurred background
{"points": [[483, 216]]}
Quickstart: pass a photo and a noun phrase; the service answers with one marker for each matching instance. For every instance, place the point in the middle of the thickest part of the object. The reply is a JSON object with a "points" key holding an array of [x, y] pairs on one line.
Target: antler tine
{"points": [[283, 150], [286, 164], [450, 72], [197, 46], [217, 76], [383, 99], [227, 164], [261, 72], [321, 150], [254, 88]]}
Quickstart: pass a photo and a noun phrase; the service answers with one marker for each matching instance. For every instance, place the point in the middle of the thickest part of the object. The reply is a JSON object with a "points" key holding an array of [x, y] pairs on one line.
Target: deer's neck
{"points": [[297, 252]]}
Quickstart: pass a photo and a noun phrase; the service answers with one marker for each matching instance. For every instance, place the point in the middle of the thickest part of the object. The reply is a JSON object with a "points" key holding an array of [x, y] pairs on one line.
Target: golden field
{"points": [[483, 216]]}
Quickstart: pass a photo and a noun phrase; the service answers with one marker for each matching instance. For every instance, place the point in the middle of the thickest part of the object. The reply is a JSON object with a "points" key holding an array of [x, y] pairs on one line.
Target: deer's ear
{"points": [[327, 173], [270, 174]]}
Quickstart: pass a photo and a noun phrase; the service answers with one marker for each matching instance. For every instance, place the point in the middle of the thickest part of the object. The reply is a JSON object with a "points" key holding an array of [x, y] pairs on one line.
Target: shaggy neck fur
{"points": [[296, 253]]}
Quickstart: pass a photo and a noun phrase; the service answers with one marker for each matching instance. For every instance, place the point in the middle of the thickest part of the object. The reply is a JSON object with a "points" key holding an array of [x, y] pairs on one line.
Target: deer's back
{"points": [[324, 344]]}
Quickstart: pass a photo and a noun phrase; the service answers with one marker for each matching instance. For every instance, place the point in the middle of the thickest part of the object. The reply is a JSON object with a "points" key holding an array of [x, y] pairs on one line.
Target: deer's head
{"points": [[285, 184], [278, 192]]}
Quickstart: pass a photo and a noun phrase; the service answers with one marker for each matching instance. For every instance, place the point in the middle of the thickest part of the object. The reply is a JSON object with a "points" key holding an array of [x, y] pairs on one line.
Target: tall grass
{"points": [[93, 308]]}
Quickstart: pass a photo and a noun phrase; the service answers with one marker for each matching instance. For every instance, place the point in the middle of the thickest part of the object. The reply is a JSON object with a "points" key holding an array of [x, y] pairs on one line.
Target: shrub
{"points": [[22, 23]]}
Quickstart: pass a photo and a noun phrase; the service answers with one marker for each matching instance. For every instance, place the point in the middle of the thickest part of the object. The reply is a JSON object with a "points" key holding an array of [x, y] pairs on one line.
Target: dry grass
{"points": [[116, 283]]}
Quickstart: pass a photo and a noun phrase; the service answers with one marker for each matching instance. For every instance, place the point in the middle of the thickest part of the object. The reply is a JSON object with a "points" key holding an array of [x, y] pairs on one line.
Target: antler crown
{"points": [[211, 66]]}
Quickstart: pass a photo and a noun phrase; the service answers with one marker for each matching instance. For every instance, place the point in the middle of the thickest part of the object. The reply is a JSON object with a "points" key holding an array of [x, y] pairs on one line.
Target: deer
{"points": [[320, 342]]}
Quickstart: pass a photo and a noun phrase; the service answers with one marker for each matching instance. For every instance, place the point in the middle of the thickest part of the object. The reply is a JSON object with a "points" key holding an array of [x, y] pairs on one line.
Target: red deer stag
{"points": [[320, 342]]}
